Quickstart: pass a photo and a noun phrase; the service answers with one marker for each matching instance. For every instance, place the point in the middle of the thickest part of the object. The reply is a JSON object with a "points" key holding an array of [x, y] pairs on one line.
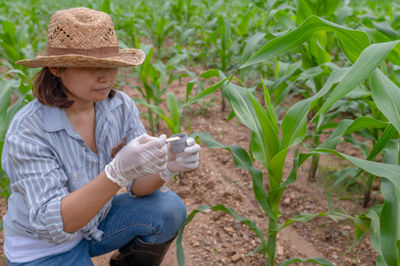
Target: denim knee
{"points": [[172, 214]]}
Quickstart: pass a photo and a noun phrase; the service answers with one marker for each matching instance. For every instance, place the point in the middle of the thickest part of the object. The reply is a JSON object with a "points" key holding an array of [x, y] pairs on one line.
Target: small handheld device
{"points": [[177, 142]]}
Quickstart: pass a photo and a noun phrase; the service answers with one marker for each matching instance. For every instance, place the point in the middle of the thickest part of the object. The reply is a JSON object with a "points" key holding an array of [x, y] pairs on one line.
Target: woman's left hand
{"points": [[187, 160]]}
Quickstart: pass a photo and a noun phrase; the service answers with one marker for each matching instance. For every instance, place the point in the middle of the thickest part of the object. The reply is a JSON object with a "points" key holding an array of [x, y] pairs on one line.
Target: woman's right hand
{"points": [[142, 156]]}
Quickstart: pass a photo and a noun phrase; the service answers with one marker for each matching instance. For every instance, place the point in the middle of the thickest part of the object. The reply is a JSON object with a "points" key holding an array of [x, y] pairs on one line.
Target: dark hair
{"points": [[49, 89]]}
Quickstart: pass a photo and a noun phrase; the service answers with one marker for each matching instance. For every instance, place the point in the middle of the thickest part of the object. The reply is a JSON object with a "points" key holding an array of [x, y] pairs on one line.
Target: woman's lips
{"points": [[102, 90]]}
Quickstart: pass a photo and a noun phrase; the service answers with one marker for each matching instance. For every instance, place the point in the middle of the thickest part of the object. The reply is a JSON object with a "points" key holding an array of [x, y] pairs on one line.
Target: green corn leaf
{"points": [[380, 145], [328, 7], [210, 141], [335, 77], [173, 107], [155, 108], [347, 126], [145, 67], [298, 160], [385, 28], [10, 51], [249, 111], [170, 122], [206, 92], [294, 124], [336, 215], [373, 215], [336, 136], [160, 69], [9, 30], [5, 98], [359, 231], [242, 160], [257, 148], [318, 52], [106, 6], [390, 172], [269, 106], [369, 59], [265, 131], [382, 142], [351, 41], [310, 73], [226, 36], [204, 75], [5, 95], [275, 169], [394, 55], [303, 10], [283, 78], [389, 223], [307, 8], [243, 25], [390, 212], [365, 122], [319, 261], [391, 149], [14, 109], [386, 95], [251, 44], [307, 104]]}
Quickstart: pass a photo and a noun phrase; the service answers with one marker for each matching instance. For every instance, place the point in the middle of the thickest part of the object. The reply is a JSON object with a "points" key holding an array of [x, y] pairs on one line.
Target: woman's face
{"points": [[87, 84]]}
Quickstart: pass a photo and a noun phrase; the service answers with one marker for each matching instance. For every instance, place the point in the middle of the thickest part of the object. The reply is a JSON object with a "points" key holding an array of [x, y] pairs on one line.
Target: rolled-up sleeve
{"points": [[40, 179]]}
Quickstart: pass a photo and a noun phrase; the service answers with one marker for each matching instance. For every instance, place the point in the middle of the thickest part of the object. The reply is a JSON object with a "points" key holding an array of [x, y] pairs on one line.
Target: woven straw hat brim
{"points": [[126, 58]]}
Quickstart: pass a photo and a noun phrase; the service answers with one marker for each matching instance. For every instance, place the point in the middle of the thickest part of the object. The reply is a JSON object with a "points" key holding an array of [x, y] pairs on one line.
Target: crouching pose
{"points": [[70, 150]]}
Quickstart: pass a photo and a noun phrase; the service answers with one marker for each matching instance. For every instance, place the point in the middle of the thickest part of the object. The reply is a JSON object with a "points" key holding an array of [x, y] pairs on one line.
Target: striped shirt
{"points": [[46, 159]]}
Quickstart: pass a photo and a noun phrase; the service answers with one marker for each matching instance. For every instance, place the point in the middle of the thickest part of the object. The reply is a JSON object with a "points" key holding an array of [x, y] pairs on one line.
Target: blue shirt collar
{"points": [[54, 119]]}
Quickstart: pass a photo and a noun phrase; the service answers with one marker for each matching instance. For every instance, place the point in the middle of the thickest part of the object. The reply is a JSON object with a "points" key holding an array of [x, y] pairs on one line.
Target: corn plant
{"points": [[374, 132], [159, 26], [348, 80], [15, 43], [182, 10], [384, 93], [188, 14], [155, 78], [127, 25], [174, 118], [270, 150], [15, 93], [382, 32]]}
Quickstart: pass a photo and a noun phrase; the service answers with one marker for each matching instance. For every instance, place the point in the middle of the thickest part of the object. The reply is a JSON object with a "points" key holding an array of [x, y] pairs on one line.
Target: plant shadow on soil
{"points": [[215, 238]]}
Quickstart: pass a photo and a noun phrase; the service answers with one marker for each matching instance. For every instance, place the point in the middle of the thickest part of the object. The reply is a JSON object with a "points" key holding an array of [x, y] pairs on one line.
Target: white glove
{"points": [[142, 156], [181, 162]]}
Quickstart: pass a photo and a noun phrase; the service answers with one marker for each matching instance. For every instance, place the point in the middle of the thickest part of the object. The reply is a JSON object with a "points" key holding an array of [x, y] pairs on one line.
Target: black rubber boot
{"points": [[139, 253]]}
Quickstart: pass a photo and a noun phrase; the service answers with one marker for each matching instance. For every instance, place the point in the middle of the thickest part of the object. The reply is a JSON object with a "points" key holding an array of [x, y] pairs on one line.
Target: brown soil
{"points": [[215, 238]]}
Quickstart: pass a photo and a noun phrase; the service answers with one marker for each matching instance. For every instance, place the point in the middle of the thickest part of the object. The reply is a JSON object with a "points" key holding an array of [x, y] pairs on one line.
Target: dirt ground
{"points": [[215, 238]]}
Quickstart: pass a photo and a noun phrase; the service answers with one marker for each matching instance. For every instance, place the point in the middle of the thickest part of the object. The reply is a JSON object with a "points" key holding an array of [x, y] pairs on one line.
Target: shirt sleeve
{"points": [[42, 182], [135, 127]]}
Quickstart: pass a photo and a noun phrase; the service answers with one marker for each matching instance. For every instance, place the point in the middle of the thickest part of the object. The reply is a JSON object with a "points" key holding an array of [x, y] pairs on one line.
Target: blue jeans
{"points": [[155, 218]]}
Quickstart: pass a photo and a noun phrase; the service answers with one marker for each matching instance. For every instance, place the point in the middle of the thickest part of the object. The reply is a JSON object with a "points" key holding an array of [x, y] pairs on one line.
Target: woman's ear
{"points": [[55, 71]]}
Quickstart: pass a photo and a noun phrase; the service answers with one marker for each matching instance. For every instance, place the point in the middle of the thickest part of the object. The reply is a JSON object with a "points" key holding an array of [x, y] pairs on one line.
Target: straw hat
{"points": [[82, 37]]}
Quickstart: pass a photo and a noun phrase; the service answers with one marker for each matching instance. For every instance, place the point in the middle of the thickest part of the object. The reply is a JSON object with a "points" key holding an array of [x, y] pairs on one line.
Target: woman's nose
{"points": [[106, 74]]}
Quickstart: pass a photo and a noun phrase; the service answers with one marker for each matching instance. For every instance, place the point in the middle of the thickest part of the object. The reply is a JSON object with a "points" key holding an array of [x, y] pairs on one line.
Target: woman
{"points": [[63, 155]]}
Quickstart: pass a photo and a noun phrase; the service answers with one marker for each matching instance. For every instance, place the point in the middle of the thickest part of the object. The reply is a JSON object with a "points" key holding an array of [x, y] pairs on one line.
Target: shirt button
{"points": [[74, 175]]}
